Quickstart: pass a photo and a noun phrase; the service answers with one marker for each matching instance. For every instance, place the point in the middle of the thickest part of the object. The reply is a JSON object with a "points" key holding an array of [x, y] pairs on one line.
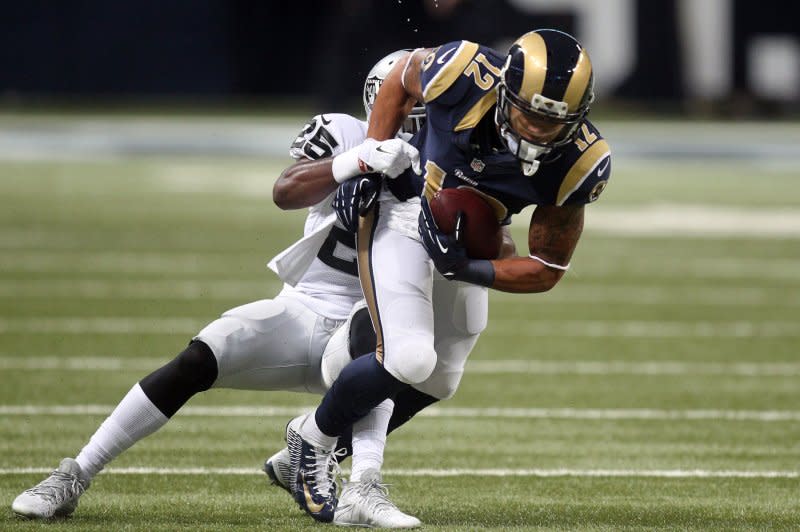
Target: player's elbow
{"points": [[281, 191], [550, 279], [543, 280]]}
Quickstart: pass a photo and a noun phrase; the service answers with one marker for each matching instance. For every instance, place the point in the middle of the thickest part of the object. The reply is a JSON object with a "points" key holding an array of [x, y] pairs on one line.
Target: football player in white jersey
{"points": [[271, 344]]}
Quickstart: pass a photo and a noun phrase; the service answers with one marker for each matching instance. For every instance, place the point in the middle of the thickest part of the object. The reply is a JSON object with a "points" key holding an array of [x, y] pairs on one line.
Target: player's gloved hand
{"points": [[355, 197], [448, 254], [388, 157]]}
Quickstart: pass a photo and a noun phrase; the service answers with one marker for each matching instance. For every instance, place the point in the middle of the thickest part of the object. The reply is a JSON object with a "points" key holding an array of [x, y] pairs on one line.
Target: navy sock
{"points": [[407, 403], [361, 386]]}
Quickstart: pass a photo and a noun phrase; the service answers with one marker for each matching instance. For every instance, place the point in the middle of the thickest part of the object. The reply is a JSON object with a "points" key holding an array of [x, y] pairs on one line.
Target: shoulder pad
{"points": [[443, 66], [587, 176], [327, 135]]}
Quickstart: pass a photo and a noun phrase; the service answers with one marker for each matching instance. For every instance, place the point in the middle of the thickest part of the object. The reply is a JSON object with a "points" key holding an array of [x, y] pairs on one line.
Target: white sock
{"points": [[312, 433], [134, 418], [369, 439]]}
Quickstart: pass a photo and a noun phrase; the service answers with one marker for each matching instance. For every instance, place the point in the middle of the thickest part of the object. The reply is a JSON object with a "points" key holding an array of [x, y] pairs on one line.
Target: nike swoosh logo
{"points": [[602, 170], [441, 59], [380, 149], [441, 247], [312, 506], [324, 122]]}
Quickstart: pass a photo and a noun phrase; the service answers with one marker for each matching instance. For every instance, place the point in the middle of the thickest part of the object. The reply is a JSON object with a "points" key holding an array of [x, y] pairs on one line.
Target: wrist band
{"points": [[346, 165], [476, 271]]}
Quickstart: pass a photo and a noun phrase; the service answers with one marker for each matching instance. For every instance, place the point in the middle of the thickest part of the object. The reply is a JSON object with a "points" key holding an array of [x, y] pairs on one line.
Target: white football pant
{"points": [[272, 344]]}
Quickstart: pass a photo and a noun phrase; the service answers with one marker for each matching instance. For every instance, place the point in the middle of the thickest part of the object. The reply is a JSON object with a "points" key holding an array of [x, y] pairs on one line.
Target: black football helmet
{"points": [[375, 77], [548, 79]]}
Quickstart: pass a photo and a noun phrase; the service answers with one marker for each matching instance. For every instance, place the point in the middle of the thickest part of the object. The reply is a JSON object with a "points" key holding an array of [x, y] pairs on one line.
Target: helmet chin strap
{"points": [[528, 153], [529, 168]]}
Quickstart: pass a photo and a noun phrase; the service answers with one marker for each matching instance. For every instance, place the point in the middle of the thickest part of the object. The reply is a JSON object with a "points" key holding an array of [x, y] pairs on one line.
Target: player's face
{"points": [[532, 128]]}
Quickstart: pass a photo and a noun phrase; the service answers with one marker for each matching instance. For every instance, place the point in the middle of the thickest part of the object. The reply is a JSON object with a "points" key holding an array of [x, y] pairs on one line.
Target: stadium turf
{"points": [[654, 389]]}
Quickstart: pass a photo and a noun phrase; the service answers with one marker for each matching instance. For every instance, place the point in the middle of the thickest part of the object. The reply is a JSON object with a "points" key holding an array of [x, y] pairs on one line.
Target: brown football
{"points": [[481, 233]]}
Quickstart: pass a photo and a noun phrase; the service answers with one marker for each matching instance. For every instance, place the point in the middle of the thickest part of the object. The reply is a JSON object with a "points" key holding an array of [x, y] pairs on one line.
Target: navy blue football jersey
{"points": [[459, 145]]}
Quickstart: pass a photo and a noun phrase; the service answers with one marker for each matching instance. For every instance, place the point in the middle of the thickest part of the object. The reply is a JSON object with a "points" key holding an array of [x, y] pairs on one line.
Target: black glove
{"points": [[448, 254], [355, 197]]}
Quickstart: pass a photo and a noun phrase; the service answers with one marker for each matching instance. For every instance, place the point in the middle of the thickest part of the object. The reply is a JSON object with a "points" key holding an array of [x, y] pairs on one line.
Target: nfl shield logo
{"points": [[477, 165]]}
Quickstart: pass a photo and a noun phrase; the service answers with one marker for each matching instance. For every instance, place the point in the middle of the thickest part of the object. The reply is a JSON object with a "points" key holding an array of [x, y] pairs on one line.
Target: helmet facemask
{"points": [[529, 151]]}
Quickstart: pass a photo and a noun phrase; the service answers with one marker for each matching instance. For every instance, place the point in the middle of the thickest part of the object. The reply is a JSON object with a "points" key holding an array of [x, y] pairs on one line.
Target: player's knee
{"points": [[412, 361], [197, 365]]}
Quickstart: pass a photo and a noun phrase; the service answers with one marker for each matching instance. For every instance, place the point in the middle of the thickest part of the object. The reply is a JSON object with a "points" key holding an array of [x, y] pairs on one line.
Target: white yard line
{"points": [[138, 289], [624, 367], [483, 367], [180, 263], [544, 473], [497, 326], [672, 220], [439, 412], [642, 329], [573, 292]]}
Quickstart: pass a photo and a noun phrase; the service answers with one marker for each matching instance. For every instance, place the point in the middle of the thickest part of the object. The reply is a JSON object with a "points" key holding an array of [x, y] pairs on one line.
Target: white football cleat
{"points": [[278, 468], [55, 496], [366, 503]]}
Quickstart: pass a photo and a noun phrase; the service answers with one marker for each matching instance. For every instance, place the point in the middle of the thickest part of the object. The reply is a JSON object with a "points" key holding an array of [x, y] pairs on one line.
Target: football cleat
{"points": [[314, 488], [55, 496], [278, 468], [366, 503]]}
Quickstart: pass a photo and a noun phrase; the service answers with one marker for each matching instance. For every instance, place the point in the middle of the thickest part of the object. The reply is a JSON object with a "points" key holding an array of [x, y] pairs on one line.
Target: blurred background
{"points": [[725, 58]]}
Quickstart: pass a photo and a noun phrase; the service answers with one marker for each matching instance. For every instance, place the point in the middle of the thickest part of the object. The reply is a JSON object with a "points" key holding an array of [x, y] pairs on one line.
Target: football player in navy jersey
{"points": [[511, 126]]}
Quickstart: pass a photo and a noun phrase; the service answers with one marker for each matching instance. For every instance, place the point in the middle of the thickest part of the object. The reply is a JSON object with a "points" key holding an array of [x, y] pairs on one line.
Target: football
{"points": [[481, 233]]}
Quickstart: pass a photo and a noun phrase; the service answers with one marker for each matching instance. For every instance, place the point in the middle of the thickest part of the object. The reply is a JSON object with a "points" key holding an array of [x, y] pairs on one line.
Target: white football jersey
{"points": [[330, 284]]}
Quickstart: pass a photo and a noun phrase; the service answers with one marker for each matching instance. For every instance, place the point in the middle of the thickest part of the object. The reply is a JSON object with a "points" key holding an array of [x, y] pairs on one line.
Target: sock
{"points": [[311, 433], [134, 418], [361, 386], [369, 439], [407, 403]]}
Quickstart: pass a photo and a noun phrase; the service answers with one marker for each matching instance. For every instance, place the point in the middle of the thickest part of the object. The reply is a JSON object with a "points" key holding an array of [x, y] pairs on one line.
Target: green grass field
{"points": [[656, 388]]}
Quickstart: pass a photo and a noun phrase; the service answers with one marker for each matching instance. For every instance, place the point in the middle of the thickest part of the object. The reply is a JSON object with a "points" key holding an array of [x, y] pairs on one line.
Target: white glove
{"points": [[388, 157]]}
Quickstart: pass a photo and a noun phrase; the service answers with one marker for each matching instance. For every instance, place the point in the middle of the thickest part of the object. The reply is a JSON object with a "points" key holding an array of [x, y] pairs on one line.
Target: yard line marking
{"points": [[94, 325], [138, 289], [483, 367], [575, 293], [544, 473], [623, 367], [643, 329], [697, 221], [217, 263], [581, 292], [497, 326], [439, 412]]}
